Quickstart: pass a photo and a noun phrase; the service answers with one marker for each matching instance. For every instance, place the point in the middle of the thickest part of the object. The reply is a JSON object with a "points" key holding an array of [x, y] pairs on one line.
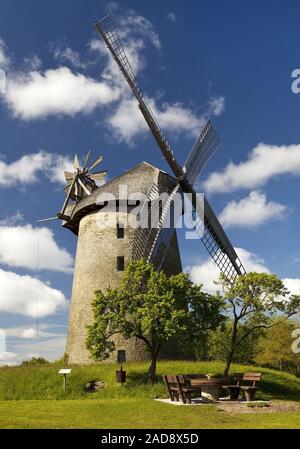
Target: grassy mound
{"points": [[43, 382]]}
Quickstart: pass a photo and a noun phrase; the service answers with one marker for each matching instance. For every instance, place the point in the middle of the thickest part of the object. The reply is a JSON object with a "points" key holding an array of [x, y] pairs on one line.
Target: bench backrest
{"points": [[247, 377], [183, 379], [170, 379], [186, 378]]}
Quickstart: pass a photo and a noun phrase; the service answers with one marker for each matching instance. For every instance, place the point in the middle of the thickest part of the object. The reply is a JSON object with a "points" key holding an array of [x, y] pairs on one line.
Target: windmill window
{"points": [[120, 231], [120, 263]]}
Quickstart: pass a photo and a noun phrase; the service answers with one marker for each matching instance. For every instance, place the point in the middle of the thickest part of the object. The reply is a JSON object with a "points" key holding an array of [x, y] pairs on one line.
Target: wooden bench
{"points": [[240, 380], [179, 386]]}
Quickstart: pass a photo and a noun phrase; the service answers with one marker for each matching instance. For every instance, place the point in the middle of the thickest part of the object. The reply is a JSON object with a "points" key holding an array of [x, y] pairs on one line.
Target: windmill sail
{"points": [[216, 239], [144, 234], [107, 30], [205, 146], [165, 231], [216, 242], [152, 243]]}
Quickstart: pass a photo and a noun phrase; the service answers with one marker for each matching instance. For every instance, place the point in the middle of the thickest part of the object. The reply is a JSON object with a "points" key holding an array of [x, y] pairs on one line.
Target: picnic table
{"points": [[210, 388]]}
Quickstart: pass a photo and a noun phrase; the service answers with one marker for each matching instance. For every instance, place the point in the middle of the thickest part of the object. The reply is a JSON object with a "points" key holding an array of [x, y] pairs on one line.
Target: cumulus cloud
{"points": [[25, 170], [35, 94], [29, 333], [18, 294], [33, 248], [56, 92], [252, 211], [128, 122], [263, 163], [207, 272], [9, 358], [293, 285]]}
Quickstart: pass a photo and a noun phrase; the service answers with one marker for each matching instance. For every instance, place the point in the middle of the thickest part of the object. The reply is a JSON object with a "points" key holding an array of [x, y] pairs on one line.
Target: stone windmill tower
{"points": [[102, 253]]}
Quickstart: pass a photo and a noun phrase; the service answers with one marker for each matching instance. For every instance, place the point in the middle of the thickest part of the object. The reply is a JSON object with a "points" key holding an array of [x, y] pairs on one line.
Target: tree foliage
{"points": [[152, 307], [275, 347], [254, 300]]}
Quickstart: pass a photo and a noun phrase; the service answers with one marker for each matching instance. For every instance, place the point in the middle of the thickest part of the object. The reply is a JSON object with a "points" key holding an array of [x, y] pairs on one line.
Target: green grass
{"points": [[132, 413], [32, 397]]}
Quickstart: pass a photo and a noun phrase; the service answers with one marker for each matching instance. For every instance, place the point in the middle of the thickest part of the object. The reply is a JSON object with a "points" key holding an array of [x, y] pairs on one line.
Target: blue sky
{"points": [[232, 60]]}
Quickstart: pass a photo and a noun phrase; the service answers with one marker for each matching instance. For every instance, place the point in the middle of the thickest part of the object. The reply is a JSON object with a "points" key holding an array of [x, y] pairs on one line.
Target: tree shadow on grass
{"points": [[275, 390], [137, 378]]}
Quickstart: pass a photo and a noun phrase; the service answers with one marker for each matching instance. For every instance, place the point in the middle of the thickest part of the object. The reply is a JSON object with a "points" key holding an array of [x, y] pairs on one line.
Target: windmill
{"points": [[80, 182], [152, 244]]}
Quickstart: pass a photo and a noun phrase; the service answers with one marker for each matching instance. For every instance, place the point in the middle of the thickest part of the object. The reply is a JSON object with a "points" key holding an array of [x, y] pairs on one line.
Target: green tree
{"points": [[152, 307], [275, 348], [253, 300], [218, 344]]}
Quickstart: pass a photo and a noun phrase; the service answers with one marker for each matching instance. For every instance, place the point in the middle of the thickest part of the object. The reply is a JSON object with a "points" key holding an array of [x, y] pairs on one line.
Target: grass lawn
{"points": [[132, 413], [32, 397]]}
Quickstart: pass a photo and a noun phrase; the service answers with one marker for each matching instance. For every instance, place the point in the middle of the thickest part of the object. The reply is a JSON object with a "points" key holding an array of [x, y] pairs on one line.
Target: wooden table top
{"points": [[215, 381]]}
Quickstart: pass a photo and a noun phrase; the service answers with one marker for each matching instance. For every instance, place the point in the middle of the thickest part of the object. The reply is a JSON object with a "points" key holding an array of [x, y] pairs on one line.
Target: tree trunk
{"points": [[152, 369], [232, 350]]}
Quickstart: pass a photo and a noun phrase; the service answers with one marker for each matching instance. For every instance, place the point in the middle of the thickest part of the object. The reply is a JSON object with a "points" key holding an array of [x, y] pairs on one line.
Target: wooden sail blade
{"points": [[76, 165], [47, 219], [86, 159], [83, 187], [94, 164], [69, 175], [68, 196], [99, 176]]}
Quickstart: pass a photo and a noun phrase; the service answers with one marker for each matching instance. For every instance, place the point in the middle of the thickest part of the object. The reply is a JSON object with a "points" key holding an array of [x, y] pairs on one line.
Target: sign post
{"points": [[64, 371]]}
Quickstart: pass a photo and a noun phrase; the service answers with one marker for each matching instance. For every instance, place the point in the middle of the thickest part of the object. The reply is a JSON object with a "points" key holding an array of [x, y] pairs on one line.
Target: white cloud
{"points": [[128, 122], [132, 25], [32, 62], [18, 294], [18, 217], [264, 162], [28, 247], [171, 16], [29, 333], [56, 92], [43, 331], [9, 358], [56, 168], [252, 211], [65, 53], [293, 285], [207, 272], [25, 170], [216, 105], [49, 348], [34, 94]]}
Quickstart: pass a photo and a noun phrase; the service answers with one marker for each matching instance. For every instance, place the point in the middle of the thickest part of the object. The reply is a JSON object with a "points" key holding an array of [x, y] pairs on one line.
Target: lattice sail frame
{"points": [[214, 235], [152, 243], [205, 146]]}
